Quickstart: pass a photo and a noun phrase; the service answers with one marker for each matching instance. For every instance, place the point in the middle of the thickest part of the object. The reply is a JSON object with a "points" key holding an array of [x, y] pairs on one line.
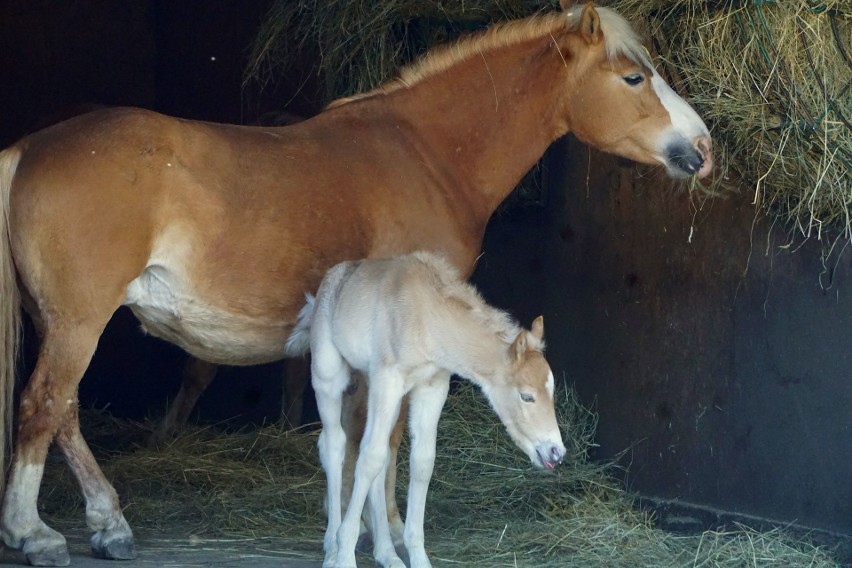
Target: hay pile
{"points": [[773, 79], [487, 506]]}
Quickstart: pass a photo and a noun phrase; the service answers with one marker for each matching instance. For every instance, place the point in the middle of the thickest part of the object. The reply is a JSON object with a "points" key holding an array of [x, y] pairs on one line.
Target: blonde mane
{"points": [[619, 38], [465, 297]]}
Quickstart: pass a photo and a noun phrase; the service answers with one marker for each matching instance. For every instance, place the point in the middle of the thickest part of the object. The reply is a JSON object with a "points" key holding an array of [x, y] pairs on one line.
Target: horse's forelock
{"points": [[620, 39]]}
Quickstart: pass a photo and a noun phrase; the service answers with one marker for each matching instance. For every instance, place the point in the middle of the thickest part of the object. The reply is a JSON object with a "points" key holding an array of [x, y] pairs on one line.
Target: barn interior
{"points": [[701, 330]]}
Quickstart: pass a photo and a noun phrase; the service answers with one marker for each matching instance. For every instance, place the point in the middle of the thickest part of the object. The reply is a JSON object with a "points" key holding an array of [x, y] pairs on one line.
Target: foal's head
{"points": [[620, 104], [522, 396]]}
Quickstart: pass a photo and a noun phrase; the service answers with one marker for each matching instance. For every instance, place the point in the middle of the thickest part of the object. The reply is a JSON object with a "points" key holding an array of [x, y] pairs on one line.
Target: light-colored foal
{"points": [[407, 324]]}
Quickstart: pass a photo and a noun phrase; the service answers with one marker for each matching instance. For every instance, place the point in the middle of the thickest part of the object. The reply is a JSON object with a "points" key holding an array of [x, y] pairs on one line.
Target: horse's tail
{"points": [[10, 308], [299, 341]]}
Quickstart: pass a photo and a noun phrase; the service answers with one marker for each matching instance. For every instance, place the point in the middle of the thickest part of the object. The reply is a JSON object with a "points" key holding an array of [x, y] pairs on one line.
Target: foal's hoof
{"points": [[115, 548], [52, 556]]}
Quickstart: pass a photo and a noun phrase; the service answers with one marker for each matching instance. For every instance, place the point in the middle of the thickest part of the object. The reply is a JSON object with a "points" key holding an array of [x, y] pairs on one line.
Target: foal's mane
{"points": [[619, 38], [462, 296]]}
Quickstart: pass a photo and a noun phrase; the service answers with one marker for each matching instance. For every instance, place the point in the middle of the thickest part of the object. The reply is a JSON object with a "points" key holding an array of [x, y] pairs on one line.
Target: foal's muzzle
{"points": [[550, 455]]}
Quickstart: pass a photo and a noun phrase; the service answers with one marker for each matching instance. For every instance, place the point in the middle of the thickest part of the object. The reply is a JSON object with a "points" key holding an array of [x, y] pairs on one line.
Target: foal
{"points": [[408, 323]]}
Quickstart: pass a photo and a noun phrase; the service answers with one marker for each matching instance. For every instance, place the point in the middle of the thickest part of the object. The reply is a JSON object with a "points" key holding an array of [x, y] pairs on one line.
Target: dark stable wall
{"points": [[716, 356]]}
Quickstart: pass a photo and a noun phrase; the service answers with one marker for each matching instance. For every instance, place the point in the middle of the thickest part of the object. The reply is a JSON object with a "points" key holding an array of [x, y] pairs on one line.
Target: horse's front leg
{"points": [[197, 376], [426, 402], [384, 399]]}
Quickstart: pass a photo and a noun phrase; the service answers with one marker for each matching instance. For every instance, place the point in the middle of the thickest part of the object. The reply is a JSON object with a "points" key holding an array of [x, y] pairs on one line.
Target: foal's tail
{"points": [[299, 341], [10, 308]]}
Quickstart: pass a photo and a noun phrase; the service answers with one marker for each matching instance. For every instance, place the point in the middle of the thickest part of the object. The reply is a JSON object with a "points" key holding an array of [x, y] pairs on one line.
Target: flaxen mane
{"points": [[463, 296], [620, 40]]}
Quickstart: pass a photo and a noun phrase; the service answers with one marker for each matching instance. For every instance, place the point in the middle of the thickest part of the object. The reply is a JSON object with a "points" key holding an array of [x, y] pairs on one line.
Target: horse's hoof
{"points": [[53, 556], [116, 550], [116, 544], [43, 547]]}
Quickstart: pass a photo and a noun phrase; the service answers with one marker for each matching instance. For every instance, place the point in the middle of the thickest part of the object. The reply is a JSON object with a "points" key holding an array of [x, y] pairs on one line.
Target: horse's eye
{"points": [[634, 79], [526, 397]]}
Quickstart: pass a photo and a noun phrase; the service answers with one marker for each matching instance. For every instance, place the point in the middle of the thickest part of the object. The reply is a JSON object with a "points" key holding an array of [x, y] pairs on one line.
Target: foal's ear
{"points": [[538, 327], [590, 25], [519, 346], [566, 4]]}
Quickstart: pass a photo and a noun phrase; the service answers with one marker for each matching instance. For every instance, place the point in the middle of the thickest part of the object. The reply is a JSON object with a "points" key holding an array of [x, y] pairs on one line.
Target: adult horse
{"points": [[212, 233]]}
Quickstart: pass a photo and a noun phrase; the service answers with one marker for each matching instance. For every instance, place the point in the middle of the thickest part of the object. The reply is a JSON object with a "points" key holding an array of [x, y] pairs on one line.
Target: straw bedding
{"points": [[487, 506]]}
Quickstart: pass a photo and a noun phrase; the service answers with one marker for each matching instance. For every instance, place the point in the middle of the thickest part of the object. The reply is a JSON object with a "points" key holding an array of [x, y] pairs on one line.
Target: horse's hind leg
{"points": [[45, 402], [112, 538]]}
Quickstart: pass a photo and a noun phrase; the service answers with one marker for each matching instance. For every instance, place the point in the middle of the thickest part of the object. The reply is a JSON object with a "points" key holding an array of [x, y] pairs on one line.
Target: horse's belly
{"points": [[168, 310]]}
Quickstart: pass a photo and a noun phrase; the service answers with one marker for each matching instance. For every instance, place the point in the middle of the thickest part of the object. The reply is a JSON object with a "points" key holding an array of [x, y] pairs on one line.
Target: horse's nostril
{"points": [[556, 454]]}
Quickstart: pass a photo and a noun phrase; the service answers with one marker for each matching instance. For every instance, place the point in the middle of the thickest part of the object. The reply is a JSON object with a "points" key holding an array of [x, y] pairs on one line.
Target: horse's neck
{"points": [[489, 117]]}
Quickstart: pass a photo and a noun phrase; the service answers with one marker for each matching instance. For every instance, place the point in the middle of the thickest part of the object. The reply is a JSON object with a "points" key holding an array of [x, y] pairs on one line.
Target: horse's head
{"points": [[618, 102], [523, 399]]}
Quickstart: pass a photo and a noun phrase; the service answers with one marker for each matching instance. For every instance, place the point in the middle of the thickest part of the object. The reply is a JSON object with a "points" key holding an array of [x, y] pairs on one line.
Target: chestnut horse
{"points": [[408, 323], [212, 233]]}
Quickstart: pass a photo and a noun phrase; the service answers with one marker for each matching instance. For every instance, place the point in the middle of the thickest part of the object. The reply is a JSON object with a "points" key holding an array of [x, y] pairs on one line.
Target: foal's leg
{"points": [[113, 538], [354, 418], [197, 376], [329, 376], [384, 397], [63, 357], [383, 545], [425, 411]]}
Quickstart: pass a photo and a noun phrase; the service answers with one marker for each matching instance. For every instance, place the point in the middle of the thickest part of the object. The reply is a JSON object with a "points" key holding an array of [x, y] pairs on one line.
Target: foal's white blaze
{"points": [[549, 384]]}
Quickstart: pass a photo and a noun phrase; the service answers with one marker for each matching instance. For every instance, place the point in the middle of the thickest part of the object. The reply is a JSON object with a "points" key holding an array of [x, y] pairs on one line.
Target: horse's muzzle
{"points": [[691, 159]]}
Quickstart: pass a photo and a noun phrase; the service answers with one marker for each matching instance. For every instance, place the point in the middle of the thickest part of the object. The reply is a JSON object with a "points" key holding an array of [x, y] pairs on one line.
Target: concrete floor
{"points": [[188, 553]]}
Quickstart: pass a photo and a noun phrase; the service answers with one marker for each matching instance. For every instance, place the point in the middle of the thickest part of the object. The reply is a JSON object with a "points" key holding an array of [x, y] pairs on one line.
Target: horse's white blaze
{"points": [[685, 121]]}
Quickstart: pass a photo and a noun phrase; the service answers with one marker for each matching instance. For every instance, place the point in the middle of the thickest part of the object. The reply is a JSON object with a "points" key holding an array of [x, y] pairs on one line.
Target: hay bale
{"points": [[487, 506]]}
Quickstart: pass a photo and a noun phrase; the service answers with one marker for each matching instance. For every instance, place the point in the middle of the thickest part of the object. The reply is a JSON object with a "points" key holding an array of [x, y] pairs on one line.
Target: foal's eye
{"points": [[526, 397], [634, 79]]}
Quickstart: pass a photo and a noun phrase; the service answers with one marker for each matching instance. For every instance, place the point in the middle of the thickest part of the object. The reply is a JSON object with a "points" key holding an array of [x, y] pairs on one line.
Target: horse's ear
{"points": [[590, 25], [538, 327], [566, 4]]}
